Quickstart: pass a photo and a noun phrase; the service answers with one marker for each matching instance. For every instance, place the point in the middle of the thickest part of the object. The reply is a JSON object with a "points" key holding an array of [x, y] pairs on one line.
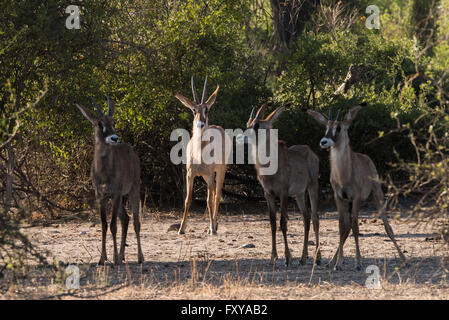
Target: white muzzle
{"points": [[200, 124], [112, 139], [326, 143]]}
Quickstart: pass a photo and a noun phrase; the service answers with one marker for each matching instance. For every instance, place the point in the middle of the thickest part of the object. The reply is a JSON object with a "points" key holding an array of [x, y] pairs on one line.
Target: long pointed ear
{"points": [[87, 114], [185, 101], [212, 98], [275, 114], [321, 118], [352, 113]]}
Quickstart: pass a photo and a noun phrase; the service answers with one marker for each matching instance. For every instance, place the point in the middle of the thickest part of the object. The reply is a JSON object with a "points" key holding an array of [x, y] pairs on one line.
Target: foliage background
{"points": [[140, 52]]}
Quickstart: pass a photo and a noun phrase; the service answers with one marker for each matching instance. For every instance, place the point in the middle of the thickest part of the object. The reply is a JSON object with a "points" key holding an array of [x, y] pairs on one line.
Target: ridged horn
{"points": [[204, 91], [100, 112], [338, 114], [109, 106], [253, 114], [195, 95]]}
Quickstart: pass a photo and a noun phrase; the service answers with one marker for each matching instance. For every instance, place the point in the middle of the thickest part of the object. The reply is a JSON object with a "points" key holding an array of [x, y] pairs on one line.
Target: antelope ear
{"points": [[87, 114], [185, 101], [274, 115], [321, 118], [352, 114], [212, 98]]}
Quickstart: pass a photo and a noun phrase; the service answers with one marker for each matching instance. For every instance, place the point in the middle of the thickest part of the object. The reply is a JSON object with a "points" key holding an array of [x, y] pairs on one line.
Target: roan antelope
{"points": [[212, 172], [115, 172], [297, 173], [353, 178]]}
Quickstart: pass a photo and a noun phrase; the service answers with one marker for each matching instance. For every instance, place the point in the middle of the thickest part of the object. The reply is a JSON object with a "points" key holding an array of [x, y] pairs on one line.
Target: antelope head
{"points": [[336, 130], [256, 122], [200, 109], [104, 124]]}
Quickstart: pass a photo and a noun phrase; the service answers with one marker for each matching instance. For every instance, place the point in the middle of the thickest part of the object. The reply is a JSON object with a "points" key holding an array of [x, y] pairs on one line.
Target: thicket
{"points": [[140, 52]]}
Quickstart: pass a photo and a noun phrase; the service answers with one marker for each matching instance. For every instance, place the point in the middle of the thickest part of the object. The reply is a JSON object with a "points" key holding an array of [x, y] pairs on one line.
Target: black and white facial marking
{"points": [[200, 116], [251, 125], [333, 133], [105, 130]]}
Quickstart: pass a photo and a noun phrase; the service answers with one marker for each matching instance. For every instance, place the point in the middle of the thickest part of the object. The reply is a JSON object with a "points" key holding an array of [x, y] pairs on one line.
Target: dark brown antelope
{"points": [[353, 178], [297, 172], [115, 173], [213, 172]]}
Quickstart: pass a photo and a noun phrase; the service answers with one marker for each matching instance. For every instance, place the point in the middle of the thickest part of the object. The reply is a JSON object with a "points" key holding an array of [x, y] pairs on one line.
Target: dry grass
{"points": [[199, 266]]}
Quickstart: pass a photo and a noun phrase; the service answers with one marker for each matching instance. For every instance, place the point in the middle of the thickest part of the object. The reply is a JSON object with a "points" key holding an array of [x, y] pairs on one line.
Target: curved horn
{"points": [[253, 114], [109, 106], [204, 91], [195, 95], [338, 114], [98, 107], [262, 109]]}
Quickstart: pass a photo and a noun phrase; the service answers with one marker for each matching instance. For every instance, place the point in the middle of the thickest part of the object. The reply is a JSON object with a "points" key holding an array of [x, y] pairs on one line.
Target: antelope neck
{"points": [[101, 147], [258, 141], [340, 157]]}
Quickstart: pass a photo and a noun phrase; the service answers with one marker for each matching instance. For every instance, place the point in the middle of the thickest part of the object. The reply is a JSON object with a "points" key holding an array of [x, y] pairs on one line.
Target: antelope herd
{"points": [[115, 173]]}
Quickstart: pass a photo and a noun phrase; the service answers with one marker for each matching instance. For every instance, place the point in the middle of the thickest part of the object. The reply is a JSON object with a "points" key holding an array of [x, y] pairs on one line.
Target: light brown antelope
{"points": [[297, 172], [213, 172], [115, 173], [353, 178]]}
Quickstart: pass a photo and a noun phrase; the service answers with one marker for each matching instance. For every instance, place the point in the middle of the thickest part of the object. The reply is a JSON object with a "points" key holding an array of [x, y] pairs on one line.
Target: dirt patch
{"points": [[235, 263]]}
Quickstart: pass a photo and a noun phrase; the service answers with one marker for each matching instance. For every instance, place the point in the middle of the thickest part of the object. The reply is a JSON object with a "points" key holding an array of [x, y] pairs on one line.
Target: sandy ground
{"points": [[199, 266]]}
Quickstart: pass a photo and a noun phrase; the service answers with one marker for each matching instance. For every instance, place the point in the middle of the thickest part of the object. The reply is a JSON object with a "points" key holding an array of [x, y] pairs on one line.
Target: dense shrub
{"points": [[141, 52]]}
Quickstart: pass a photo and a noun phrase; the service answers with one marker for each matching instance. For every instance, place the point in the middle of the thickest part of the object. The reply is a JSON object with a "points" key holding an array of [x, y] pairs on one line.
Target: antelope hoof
{"points": [[213, 232], [101, 262], [358, 267], [116, 260], [288, 259], [303, 261], [103, 258], [338, 268], [273, 260]]}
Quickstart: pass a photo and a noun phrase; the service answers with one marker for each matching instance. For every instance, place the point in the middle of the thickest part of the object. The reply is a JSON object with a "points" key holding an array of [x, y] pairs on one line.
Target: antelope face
{"points": [[200, 108], [105, 130], [200, 116], [336, 131], [252, 125], [104, 124], [255, 121]]}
